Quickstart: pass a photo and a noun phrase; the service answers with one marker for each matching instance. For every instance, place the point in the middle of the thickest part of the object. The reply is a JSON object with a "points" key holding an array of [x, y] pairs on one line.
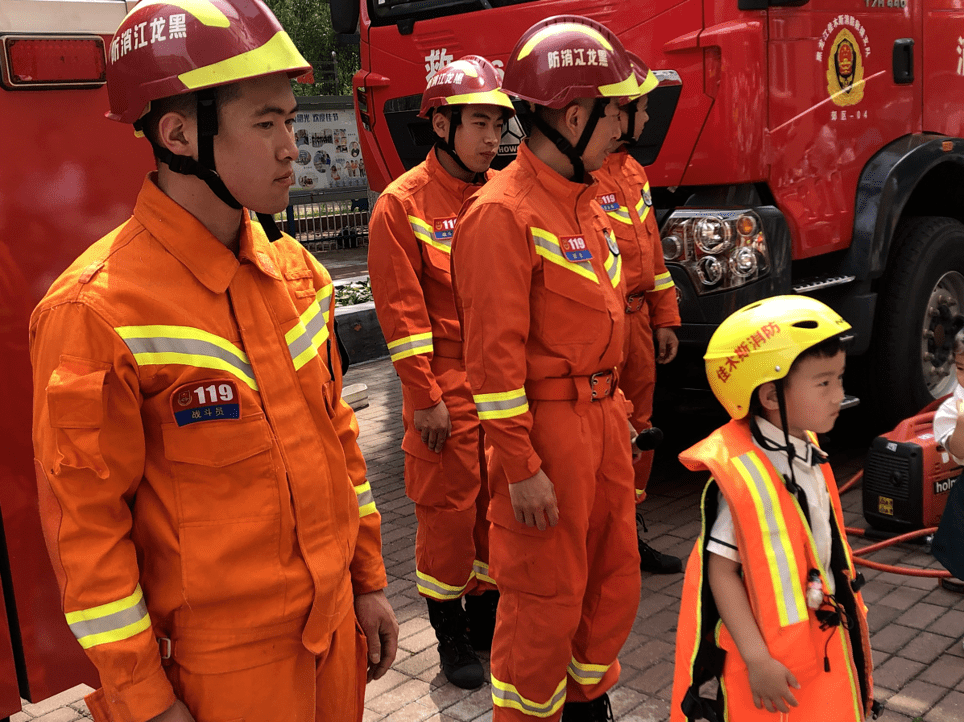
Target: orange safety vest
{"points": [[777, 551]]}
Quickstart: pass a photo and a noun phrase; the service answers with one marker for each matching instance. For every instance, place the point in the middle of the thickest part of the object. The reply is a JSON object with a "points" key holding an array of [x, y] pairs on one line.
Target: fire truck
{"points": [[794, 146], [68, 176]]}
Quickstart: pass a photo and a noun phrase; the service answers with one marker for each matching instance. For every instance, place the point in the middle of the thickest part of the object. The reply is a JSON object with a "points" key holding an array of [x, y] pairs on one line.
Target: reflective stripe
{"points": [[366, 501], [186, 346], [663, 281], [410, 346], [423, 232], [614, 266], [506, 695], [481, 571], [782, 562], [311, 331], [501, 405], [585, 673], [547, 246], [642, 210], [622, 215], [639, 493], [110, 622], [432, 587]]}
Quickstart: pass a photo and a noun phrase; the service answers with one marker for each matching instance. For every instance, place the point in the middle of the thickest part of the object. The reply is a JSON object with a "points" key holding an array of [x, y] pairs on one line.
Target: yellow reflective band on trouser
{"points": [[547, 246], [411, 346], [423, 232], [429, 586], [203, 11], [663, 281], [557, 28], [506, 695], [585, 673], [614, 267], [110, 622], [186, 346], [621, 215], [278, 55], [311, 331], [366, 501], [781, 561], [501, 405]]}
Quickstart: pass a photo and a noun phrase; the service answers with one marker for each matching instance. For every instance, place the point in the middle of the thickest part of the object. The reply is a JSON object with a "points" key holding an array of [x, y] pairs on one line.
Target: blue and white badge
{"points": [[608, 202], [574, 248], [211, 400]]}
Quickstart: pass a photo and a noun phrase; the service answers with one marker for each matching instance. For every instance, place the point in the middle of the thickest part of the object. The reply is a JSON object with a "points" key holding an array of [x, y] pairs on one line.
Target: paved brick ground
{"points": [[917, 627]]}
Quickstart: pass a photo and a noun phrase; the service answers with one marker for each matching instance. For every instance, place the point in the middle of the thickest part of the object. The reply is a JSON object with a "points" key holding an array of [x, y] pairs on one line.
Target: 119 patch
{"points": [[574, 248], [212, 400], [444, 228]]}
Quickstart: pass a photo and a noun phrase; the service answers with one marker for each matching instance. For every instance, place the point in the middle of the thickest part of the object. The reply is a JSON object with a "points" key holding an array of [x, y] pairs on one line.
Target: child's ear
{"points": [[768, 396]]}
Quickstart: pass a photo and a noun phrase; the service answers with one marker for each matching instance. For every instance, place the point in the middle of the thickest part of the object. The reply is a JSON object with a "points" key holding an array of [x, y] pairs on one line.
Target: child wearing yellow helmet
{"points": [[771, 603]]}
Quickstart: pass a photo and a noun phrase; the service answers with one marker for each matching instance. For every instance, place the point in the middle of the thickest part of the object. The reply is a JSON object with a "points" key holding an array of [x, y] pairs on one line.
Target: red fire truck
{"points": [[68, 176], [815, 148]]}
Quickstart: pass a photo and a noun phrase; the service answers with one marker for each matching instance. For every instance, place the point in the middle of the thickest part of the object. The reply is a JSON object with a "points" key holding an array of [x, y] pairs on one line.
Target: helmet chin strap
{"points": [[448, 144], [203, 167], [629, 137], [573, 152]]}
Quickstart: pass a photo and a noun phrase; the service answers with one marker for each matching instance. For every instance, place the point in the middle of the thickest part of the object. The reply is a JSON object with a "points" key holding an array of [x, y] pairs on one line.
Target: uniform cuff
{"points": [[521, 469], [426, 398], [138, 702]]}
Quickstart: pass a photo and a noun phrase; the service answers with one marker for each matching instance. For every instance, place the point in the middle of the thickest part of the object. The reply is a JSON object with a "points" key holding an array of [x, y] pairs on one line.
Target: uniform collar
{"points": [[448, 181], [805, 452], [555, 184], [616, 160], [190, 242]]}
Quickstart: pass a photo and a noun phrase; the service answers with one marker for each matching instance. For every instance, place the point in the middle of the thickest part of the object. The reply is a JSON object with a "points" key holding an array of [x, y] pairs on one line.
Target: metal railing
{"points": [[327, 221]]}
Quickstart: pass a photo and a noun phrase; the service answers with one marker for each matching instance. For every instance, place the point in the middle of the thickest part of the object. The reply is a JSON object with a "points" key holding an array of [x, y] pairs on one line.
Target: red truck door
{"points": [[943, 67]]}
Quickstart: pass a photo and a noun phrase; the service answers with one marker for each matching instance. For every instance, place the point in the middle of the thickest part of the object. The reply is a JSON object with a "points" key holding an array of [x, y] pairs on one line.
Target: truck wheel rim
{"points": [[941, 321]]}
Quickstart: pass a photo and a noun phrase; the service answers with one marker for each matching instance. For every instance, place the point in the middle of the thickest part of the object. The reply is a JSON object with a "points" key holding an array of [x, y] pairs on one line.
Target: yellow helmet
{"points": [[760, 342]]}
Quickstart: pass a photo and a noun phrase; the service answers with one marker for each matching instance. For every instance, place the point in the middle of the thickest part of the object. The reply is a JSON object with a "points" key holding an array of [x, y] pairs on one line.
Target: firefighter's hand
{"points": [[377, 620], [770, 683], [177, 712], [667, 345], [534, 501], [637, 452], [435, 425]]}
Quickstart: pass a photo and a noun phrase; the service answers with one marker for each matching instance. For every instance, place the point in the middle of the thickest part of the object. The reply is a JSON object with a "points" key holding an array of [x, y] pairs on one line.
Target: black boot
{"points": [[656, 562], [480, 610], [460, 664], [597, 710]]}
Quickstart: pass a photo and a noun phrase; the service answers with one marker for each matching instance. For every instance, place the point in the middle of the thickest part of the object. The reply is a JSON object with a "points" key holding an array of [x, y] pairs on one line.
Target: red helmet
{"points": [[644, 76], [469, 80], [566, 57], [172, 47]]}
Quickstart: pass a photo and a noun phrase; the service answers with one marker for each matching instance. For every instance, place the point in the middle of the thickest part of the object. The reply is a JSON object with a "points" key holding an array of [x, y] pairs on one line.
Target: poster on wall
{"points": [[329, 156]]}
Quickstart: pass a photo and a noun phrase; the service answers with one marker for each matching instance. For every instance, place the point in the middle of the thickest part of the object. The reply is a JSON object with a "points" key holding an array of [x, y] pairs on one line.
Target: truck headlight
{"points": [[719, 249]]}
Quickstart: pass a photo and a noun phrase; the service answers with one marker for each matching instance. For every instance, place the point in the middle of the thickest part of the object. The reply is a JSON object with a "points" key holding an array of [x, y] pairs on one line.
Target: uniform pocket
{"points": [[412, 444], [521, 557], [76, 399], [574, 309]]}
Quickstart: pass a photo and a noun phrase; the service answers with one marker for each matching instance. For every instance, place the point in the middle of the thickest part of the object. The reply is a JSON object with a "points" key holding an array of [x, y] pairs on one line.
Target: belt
{"points": [[635, 301], [599, 385], [444, 348]]}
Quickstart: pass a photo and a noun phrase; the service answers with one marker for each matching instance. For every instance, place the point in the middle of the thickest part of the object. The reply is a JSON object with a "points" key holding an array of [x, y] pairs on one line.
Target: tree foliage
{"points": [[308, 22]]}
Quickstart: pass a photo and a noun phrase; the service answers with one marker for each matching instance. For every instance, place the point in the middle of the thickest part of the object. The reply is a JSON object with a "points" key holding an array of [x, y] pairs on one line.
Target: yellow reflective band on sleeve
{"points": [[419, 343], [429, 586], [585, 673], [481, 571], [186, 346], [366, 501], [278, 55], [621, 215], [501, 405], [506, 695], [306, 337], [206, 13], [557, 28], [781, 560], [614, 267], [423, 232], [110, 622], [662, 282], [547, 246]]}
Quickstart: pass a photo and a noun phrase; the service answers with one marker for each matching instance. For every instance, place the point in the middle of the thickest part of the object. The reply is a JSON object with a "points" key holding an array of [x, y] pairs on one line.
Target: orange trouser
{"points": [[569, 593], [637, 379], [452, 541]]}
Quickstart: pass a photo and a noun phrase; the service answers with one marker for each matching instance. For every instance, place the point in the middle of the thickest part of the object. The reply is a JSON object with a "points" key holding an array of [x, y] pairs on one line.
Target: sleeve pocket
{"points": [[76, 397]]}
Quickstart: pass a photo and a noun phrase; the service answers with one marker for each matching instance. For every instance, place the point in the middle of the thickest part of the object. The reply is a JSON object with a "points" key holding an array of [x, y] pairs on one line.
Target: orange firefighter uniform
{"points": [[538, 276], [831, 661], [410, 246], [623, 192], [203, 495]]}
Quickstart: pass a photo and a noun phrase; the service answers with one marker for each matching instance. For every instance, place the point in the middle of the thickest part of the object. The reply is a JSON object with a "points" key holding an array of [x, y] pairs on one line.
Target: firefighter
{"points": [[538, 276], [410, 237], [203, 496], [623, 192], [772, 563]]}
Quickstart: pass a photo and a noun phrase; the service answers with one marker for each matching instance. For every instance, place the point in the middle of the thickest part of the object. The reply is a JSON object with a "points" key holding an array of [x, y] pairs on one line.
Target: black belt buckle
{"points": [[601, 383], [634, 302]]}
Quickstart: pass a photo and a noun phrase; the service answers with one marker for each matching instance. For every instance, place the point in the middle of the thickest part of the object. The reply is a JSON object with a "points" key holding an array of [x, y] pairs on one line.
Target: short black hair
{"points": [[959, 342], [186, 105], [828, 348]]}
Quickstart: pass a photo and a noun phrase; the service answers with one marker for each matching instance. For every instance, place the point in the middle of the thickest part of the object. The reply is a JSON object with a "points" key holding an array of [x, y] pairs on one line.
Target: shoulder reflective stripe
{"points": [[642, 210], [110, 622], [481, 570], [506, 695], [547, 246], [423, 232], [432, 587], [501, 405], [663, 281], [614, 266], [585, 673], [622, 215], [306, 337], [410, 346], [366, 501], [784, 574], [186, 346]]}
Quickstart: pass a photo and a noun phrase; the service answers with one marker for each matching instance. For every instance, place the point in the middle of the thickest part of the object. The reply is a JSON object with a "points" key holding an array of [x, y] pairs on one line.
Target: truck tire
{"points": [[919, 311]]}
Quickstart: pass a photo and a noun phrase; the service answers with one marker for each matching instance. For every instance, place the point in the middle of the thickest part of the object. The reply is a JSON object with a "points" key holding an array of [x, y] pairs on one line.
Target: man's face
{"points": [[605, 134], [814, 392], [255, 145], [642, 117], [477, 138]]}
